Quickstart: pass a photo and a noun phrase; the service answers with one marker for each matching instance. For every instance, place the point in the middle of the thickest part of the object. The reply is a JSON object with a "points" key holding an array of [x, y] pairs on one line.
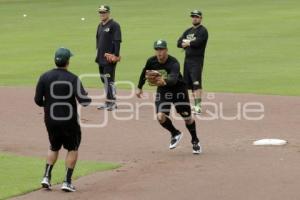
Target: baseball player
{"points": [[57, 91], [163, 71], [194, 41], [108, 42]]}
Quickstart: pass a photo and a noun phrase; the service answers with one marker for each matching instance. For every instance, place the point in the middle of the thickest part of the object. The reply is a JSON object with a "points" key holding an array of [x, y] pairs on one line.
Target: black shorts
{"points": [[193, 75], [68, 136], [178, 96]]}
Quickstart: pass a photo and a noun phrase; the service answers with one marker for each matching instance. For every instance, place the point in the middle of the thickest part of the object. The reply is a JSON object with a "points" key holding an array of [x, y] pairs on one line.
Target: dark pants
{"points": [[107, 75], [193, 74]]}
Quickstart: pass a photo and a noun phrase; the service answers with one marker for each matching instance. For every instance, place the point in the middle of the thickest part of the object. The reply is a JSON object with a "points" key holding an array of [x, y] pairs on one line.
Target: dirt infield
{"points": [[229, 169]]}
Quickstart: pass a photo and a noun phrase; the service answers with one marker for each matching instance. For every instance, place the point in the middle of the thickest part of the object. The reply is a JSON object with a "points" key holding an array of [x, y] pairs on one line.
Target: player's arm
{"points": [[117, 39], [202, 36], [39, 93], [142, 80], [180, 40], [97, 39], [114, 55], [173, 75], [80, 93]]}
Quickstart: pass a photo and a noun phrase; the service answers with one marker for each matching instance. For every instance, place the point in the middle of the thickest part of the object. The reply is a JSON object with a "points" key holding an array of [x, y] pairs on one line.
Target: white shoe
{"points": [[68, 187], [46, 183], [197, 110], [175, 140], [103, 106]]}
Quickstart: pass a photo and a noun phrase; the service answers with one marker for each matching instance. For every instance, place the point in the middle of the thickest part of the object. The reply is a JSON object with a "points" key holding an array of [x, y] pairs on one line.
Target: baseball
{"points": [[24, 15], [82, 19]]}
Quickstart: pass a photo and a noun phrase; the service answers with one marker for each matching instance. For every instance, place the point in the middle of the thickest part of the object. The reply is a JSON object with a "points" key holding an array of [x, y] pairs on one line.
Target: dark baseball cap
{"points": [[62, 55], [196, 13], [160, 44], [104, 9]]}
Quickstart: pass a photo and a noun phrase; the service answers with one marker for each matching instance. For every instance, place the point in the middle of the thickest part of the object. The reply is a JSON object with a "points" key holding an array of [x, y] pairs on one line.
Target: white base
{"points": [[268, 142]]}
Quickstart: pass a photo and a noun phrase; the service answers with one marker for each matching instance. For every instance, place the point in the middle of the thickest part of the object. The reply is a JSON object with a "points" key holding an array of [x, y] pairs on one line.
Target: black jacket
{"points": [[108, 39], [57, 91], [198, 37]]}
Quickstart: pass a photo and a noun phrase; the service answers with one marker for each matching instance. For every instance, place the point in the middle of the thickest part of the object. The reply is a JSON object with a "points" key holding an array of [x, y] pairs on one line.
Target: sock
{"points": [[193, 132], [69, 175], [198, 102], [48, 170], [169, 126]]}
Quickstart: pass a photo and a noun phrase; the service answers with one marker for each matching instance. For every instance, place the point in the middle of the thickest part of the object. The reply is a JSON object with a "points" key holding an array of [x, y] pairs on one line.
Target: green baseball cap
{"points": [[196, 13], [160, 44], [62, 55], [104, 9]]}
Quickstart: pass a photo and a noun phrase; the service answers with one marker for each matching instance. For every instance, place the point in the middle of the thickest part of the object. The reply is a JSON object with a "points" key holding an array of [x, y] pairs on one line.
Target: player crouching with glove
{"points": [[163, 71]]}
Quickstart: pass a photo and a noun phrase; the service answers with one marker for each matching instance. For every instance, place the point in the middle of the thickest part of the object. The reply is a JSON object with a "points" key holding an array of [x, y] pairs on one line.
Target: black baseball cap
{"points": [[62, 55], [160, 44], [196, 13], [104, 9]]}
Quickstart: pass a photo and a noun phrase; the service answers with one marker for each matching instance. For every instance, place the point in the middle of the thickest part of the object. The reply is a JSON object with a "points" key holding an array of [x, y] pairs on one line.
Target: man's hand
{"points": [[185, 43], [111, 58], [160, 81], [139, 93]]}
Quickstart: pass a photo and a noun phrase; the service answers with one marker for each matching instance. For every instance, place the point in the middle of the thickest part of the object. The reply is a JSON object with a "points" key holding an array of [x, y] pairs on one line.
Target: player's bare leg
{"points": [[71, 159], [70, 163], [52, 157], [51, 160], [165, 122]]}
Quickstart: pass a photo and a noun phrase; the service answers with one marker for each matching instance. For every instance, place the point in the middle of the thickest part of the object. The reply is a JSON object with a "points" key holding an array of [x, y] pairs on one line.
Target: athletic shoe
{"points": [[175, 140], [112, 106], [68, 187], [197, 148], [197, 110], [104, 106], [46, 183]]}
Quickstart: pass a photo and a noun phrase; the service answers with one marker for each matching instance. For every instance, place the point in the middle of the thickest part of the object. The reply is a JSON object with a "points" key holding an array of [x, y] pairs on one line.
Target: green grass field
{"points": [[252, 48], [252, 45], [19, 175]]}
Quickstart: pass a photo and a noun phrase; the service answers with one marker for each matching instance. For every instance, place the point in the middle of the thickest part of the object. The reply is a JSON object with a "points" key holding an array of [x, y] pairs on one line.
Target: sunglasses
{"points": [[159, 48]]}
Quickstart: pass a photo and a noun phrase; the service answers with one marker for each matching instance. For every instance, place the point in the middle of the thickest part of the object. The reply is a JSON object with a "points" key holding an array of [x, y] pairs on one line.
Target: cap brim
{"points": [[195, 15]]}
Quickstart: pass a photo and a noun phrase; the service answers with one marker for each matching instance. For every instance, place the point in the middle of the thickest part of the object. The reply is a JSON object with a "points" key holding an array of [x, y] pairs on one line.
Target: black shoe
{"points": [[112, 106], [46, 183], [197, 149], [68, 187], [104, 106], [175, 140]]}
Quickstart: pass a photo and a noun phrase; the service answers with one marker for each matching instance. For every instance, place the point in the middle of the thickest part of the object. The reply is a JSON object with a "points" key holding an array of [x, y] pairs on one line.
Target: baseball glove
{"points": [[111, 58], [155, 78]]}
